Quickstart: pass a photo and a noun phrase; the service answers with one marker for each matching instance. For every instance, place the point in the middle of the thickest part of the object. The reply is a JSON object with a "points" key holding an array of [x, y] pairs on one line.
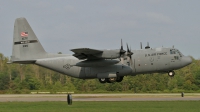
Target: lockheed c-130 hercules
{"points": [[106, 65]]}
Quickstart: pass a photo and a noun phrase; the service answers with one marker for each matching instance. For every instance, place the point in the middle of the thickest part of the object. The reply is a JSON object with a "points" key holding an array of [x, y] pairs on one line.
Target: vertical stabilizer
{"points": [[26, 45]]}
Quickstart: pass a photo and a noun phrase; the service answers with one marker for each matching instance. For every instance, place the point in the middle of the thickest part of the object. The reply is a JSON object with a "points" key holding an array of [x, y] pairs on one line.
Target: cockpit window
{"points": [[172, 51], [175, 51], [179, 53]]}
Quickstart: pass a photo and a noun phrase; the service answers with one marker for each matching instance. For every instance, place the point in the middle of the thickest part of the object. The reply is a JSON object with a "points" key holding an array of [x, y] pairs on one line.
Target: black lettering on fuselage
{"points": [[25, 45], [156, 54]]}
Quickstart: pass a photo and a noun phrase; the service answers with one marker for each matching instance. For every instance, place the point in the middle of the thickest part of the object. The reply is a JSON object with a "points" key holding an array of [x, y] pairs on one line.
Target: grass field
{"points": [[143, 106]]}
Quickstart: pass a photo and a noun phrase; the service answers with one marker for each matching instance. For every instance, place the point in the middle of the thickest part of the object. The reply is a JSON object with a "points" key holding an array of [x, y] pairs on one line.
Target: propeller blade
{"points": [[129, 53], [127, 48], [121, 45], [122, 51]]}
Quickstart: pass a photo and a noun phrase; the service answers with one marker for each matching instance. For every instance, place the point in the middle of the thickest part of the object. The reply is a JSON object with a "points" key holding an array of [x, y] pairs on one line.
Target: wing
{"points": [[86, 53]]}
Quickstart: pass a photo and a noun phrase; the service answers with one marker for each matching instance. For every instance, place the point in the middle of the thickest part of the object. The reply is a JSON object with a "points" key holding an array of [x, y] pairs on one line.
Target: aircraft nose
{"points": [[186, 60]]}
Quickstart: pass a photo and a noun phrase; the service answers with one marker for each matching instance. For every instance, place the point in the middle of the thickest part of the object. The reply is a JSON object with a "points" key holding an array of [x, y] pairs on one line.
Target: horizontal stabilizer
{"points": [[23, 62]]}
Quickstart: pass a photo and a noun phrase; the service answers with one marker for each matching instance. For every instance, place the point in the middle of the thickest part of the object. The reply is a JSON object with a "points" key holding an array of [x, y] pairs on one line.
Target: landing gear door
{"points": [[87, 71]]}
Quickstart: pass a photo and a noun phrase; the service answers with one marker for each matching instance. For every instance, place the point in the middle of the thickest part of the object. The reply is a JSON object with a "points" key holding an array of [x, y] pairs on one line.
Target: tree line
{"points": [[20, 78]]}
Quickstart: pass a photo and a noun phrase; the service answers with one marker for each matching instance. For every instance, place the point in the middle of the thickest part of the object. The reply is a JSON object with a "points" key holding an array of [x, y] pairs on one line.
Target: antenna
{"points": [[141, 45], [147, 47]]}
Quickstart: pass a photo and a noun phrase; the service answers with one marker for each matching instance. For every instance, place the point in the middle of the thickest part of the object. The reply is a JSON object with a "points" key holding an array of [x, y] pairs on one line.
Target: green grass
{"points": [[137, 106]]}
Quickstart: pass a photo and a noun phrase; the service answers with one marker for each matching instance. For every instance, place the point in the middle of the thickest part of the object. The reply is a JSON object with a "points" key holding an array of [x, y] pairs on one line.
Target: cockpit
{"points": [[174, 52]]}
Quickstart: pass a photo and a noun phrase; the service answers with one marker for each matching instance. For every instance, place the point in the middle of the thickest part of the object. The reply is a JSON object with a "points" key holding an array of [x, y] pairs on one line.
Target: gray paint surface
{"points": [[27, 49]]}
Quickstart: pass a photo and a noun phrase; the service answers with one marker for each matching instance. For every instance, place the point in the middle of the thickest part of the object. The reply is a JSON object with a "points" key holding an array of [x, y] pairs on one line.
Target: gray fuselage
{"points": [[143, 61]]}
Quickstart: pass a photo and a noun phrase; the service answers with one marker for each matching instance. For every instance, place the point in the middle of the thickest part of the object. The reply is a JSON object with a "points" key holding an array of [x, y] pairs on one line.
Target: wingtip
{"points": [[9, 62]]}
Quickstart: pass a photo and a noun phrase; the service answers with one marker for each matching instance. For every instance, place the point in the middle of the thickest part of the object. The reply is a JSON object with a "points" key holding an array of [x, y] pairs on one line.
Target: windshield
{"points": [[179, 53], [175, 51]]}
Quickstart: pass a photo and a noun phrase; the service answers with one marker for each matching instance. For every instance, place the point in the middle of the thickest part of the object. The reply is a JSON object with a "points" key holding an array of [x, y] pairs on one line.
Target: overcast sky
{"points": [[62, 25]]}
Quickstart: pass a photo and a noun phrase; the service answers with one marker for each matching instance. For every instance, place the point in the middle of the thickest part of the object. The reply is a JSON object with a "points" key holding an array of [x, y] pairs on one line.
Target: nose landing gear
{"points": [[171, 73], [103, 80]]}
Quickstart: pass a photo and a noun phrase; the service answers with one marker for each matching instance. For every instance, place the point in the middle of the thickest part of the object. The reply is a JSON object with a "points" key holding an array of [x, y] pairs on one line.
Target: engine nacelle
{"points": [[109, 54]]}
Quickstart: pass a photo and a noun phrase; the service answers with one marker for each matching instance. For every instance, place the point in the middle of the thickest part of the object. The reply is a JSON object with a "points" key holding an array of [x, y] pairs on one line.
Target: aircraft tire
{"points": [[103, 80], [171, 73], [119, 79], [111, 80]]}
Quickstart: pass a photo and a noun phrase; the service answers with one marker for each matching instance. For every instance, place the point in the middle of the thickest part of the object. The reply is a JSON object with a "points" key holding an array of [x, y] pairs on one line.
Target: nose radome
{"points": [[186, 60]]}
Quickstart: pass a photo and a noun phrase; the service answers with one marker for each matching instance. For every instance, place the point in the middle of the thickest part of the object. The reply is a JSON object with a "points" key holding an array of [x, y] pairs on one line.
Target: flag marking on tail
{"points": [[24, 34]]}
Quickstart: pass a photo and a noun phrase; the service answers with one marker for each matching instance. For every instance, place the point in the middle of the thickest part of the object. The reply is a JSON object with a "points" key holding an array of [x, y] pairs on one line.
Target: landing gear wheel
{"points": [[171, 73], [103, 80], [119, 79], [111, 80]]}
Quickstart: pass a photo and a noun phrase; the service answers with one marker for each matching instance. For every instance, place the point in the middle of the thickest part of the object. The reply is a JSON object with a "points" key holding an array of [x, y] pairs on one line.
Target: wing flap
{"points": [[80, 56], [23, 62]]}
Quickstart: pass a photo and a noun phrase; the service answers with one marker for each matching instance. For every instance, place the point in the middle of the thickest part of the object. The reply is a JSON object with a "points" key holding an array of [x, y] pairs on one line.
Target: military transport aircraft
{"points": [[106, 65]]}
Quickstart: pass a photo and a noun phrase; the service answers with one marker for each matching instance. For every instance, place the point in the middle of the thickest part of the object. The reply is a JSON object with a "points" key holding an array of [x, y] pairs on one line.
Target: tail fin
{"points": [[26, 46]]}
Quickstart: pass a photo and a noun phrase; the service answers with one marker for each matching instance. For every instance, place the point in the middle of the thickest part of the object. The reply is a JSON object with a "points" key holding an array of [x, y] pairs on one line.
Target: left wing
{"points": [[86, 53]]}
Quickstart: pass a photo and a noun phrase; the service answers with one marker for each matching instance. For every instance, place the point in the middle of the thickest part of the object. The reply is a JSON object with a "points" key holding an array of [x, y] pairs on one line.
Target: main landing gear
{"points": [[111, 80], [171, 73]]}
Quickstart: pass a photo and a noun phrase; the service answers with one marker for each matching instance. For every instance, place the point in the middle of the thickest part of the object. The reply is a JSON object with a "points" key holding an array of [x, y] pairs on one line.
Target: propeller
{"points": [[122, 51], [129, 53]]}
